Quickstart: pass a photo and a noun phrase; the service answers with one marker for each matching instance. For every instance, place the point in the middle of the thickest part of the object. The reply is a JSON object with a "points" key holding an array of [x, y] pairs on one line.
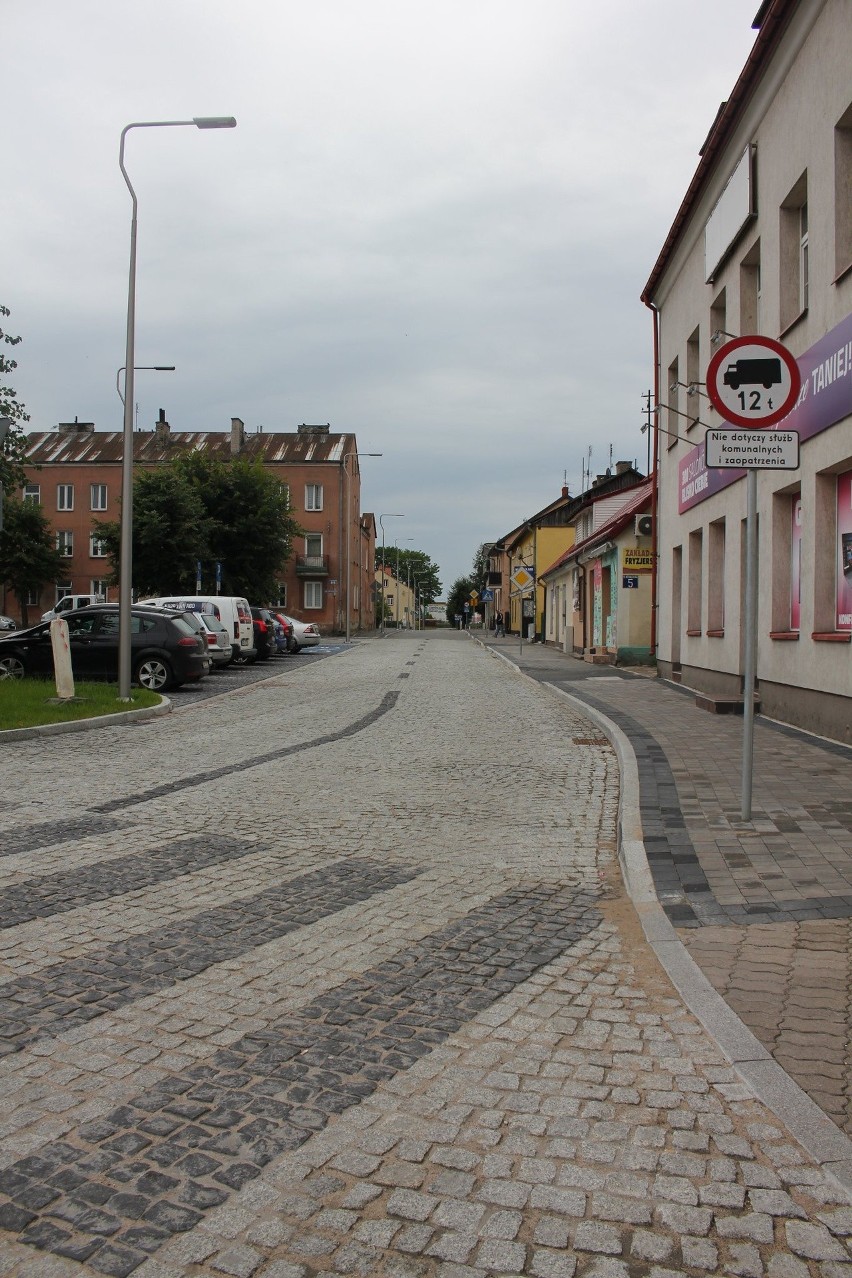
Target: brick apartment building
{"points": [[74, 472]]}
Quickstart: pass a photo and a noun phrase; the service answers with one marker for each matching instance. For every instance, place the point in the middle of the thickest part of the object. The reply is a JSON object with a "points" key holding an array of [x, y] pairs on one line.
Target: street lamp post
{"points": [[157, 368], [382, 518], [347, 472], [6, 424], [126, 550]]}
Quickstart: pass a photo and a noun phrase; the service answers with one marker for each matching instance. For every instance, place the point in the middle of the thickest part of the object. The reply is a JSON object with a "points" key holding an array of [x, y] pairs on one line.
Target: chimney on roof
{"points": [[162, 428], [76, 428], [238, 434], [622, 467], [322, 429], [565, 492]]}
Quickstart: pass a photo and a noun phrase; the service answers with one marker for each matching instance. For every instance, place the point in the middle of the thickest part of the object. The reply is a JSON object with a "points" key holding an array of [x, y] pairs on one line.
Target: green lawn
{"points": [[25, 703]]}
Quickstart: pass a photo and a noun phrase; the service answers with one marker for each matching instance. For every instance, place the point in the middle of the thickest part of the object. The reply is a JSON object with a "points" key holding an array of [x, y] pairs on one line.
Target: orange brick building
{"points": [[74, 472]]}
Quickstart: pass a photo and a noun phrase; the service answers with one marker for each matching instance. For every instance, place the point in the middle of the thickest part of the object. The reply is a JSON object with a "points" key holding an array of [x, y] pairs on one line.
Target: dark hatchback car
{"points": [[263, 625], [165, 649]]}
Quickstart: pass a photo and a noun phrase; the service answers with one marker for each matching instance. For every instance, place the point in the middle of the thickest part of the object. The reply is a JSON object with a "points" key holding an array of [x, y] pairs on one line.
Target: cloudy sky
{"points": [[431, 227]]}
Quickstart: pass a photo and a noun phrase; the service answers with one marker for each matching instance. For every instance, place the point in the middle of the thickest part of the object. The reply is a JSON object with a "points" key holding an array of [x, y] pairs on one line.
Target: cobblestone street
{"points": [[336, 974]]}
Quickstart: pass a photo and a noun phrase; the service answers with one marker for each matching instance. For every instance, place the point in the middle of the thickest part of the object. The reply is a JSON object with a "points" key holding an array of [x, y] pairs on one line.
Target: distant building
{"points": [[762, 244], [74, 472]]}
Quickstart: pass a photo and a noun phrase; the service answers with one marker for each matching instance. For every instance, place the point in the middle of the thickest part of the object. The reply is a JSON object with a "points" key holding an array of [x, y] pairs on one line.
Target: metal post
{"points": [[750, 643]]}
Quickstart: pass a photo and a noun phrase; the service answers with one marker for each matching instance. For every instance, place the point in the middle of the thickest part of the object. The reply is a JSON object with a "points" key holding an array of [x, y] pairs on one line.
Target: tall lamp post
{"points": [[156, 368], [6, 424], [382, 519], [348, 474], [126, 550]]}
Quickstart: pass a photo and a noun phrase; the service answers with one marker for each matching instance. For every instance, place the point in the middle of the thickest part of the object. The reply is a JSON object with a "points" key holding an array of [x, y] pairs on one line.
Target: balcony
{"points": [[312, 566]]}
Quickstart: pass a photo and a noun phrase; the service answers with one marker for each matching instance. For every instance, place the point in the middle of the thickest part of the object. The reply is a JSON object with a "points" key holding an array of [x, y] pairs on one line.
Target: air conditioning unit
{"points": [[644, 525]]}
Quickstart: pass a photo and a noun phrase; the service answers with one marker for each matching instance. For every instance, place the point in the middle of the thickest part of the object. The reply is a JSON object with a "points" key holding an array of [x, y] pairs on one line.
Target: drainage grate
{"points": [[598, 741]]}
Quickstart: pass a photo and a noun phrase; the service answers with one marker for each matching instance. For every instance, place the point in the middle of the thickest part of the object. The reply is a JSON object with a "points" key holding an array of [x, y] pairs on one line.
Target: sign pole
{"points": [[750, 655]]}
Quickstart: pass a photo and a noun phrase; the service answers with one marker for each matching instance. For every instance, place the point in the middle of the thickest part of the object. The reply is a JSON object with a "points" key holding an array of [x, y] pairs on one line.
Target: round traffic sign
{"points": [[753, 381]]}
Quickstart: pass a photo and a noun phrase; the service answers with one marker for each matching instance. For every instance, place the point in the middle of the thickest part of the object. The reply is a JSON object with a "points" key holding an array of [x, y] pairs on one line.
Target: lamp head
{"points": [[214, 122]]}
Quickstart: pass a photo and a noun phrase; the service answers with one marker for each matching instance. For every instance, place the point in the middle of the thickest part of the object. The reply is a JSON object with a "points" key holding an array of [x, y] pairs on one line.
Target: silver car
{"points": [[305, 634], [218, 640]]}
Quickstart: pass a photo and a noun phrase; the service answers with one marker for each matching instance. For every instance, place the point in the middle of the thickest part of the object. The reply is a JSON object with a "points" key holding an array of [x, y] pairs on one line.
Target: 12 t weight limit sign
{"points": [[753, 381]]}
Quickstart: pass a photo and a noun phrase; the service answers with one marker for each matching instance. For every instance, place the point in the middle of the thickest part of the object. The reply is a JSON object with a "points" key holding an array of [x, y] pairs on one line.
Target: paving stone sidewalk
{"points": [[395, 1016], [763, 906]]}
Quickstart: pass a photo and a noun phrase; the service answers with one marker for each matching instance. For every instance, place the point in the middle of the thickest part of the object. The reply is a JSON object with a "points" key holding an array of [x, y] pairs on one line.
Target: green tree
{"points": [[170, 533], [413, 563], [12, 453], [28, 555], [251, 529], [479, 572], [459, 595]]}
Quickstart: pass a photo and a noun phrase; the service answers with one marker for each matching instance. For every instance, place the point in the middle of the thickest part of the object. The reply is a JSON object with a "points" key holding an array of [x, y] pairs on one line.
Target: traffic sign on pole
{"points": [[753, 381]]}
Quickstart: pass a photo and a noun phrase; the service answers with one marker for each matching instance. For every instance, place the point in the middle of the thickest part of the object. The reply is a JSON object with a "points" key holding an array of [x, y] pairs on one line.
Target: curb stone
{"points": [[83, 725]]}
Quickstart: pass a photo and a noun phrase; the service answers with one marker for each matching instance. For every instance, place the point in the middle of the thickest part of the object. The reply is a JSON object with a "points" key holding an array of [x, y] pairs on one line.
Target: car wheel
{"points": [[297, 647], [154, 674], [12, 668]]}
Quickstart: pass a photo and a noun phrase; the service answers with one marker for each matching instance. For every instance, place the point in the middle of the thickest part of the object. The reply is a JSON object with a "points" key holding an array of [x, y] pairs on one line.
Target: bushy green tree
{"points": [[170, 533], [12, 476], [459, 595], [413, 563], [28, 555]]}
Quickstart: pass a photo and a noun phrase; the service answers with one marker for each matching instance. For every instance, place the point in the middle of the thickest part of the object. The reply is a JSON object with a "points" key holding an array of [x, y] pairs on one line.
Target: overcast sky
{"points": [[431, 227]]}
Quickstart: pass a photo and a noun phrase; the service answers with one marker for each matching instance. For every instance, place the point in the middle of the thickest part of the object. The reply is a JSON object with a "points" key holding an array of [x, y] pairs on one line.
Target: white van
{"points": [[232, 611], [68, 603]]}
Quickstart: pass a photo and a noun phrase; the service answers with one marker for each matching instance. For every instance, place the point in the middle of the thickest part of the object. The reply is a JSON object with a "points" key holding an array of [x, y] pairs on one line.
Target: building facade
{"points": [[762, 244], [74, 472]]}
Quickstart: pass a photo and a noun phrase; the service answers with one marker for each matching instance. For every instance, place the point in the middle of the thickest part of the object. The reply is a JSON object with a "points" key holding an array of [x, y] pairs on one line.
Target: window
{"points": [[98, 586], [281, 599], [694, 583], [62, 588], [716, 579], [750, 291], [32, 492], [719, 315], [33, 598], [786, 550], [693, 373], [65, 544], [98, 497], [313, 594], [64, 496], [313, 496], [673, 390], [794, 254], [843, 193], [97, 547]]}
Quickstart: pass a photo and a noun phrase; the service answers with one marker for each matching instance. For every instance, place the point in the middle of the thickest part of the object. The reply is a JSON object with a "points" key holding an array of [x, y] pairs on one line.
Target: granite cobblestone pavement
{"points": [[338, 975]]}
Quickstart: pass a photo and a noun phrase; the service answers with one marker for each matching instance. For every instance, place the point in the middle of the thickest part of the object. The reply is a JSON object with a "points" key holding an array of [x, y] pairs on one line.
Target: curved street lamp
{"points": [[125, 569], [157, 368]]}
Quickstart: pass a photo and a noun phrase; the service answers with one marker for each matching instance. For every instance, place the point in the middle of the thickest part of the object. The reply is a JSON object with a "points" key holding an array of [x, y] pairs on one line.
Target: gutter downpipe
{"points": [[656, 476]]}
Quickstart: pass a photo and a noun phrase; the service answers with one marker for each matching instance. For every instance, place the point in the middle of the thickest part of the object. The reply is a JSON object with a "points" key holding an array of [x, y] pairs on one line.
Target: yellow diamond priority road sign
{"points": [[522, 578]]}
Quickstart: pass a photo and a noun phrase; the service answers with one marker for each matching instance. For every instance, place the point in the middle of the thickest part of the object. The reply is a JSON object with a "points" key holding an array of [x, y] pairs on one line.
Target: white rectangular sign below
{"points": [[736, 449]]}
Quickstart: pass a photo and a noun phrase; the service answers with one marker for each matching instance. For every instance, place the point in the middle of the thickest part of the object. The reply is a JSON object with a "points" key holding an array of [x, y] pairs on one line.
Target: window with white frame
{"points": [[63, 588], [64, 496], [843, 193], [33, 598], [97, 547], [32, 492], [794, 252], [313, 594], [282, 594], [313, 496], [65, 544], [98, 586], [803, 256], [98, 497]]}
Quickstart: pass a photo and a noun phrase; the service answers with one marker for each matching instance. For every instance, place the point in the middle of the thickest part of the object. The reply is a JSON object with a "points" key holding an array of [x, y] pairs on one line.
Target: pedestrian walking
{"points": [[498, 625]]}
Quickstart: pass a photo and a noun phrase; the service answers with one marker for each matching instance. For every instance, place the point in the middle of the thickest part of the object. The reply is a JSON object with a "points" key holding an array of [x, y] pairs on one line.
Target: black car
{"points": [[263, 625], [165, 649]]}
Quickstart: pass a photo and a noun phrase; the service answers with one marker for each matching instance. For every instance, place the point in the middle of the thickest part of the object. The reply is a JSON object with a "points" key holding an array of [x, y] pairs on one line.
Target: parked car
{"points": [[68, 603], [283, 631], [166, 650], [7, 623], [230, 609], [264, 632], [218, 640], [305, 634]]}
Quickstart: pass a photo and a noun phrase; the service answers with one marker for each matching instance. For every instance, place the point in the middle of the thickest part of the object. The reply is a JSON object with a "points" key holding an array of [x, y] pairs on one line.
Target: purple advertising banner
{"points": [[825, 398]]}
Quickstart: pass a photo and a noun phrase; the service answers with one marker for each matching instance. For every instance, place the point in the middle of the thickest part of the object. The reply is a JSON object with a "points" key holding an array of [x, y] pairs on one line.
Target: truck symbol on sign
{"points": [[753, 372]]}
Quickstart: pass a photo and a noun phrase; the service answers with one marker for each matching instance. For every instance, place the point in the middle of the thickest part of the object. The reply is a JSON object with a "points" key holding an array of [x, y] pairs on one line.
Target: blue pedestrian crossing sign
{"points": [[488, 596]]}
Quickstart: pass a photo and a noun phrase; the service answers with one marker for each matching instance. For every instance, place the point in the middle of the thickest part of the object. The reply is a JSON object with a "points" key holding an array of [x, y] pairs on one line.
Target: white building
{"points": [[762, 243]]}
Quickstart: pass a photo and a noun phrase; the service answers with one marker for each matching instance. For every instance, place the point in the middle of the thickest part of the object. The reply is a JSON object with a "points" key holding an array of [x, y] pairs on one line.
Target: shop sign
{"points": [[637, 559]]}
